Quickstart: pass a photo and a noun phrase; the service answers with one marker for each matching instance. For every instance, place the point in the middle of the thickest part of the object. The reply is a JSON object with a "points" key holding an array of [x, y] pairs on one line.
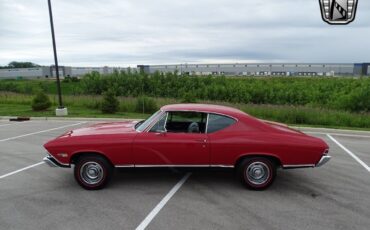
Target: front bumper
{"points": [[324, 159], [52, 162]]}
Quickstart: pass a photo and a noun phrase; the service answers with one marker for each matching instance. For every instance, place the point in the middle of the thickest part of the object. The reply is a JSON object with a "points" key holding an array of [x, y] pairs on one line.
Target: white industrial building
{"points": [[264, 69], [237, 69], [50, 72]]}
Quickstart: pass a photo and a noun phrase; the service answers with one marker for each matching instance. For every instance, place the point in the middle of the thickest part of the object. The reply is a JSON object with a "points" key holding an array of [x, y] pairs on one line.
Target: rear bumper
{"points": [[52, 162], [324, 159]]}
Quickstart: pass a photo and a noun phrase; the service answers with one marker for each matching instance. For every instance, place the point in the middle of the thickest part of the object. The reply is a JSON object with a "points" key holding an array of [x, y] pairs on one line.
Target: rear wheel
{"points": [[257, 173], [92, 172]]}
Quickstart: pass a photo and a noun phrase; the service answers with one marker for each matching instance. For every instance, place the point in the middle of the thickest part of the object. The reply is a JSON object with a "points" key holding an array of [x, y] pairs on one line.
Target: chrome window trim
{"points": [[153, 122], [147, 129], [167, 113], [235, 119], [202, 111], [165, 122], [206, 131], [159, 115], [150, 126]]}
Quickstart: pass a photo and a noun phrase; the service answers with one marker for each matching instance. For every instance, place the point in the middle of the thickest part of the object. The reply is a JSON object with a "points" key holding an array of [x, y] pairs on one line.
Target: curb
{"points": [[303, 128], [70, 119]]}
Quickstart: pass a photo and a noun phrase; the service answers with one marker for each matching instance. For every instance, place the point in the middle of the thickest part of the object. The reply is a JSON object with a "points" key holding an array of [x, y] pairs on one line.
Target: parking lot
{"points": [[35, 196]]}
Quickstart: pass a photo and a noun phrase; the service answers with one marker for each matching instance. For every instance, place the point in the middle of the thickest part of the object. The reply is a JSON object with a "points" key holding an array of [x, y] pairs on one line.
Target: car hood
{"points": [[103, 129]]}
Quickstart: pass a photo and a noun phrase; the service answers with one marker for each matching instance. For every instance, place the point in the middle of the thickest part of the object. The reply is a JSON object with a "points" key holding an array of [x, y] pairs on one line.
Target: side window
{"points": [[186, 122], [218, 122], [160, 125]]}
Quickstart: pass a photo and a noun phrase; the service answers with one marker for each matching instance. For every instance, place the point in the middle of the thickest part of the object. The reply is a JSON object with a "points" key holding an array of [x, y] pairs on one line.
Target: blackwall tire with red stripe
{"points": [[257, 173], [93, 172]]}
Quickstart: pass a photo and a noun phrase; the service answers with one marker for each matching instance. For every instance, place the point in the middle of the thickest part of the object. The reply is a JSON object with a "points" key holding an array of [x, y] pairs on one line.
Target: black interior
{"points": [[186, 122], [183, 127]]}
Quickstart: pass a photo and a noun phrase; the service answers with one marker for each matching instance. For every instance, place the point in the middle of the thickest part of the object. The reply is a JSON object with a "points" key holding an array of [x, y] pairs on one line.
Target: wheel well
{"points": [[77, 156], [272, 158]]}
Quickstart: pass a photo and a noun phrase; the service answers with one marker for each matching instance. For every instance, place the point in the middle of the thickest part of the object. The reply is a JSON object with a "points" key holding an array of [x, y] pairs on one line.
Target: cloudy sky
{"points": [[130, 32]]}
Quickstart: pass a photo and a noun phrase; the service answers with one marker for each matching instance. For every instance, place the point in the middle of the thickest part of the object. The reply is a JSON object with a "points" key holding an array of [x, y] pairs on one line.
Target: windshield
{"points": [[141, 127]]}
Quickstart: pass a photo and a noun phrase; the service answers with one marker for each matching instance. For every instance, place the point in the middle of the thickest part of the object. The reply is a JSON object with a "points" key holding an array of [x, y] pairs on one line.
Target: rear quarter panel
{"points": [[228, 147]]}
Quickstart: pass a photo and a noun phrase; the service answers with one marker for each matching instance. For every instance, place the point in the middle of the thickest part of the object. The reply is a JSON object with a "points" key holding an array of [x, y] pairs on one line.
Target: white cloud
{"points": [[130, 32]]}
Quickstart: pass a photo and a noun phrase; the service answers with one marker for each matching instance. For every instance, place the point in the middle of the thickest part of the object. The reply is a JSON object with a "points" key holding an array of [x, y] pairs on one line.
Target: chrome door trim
{"points": [[124, 166]]}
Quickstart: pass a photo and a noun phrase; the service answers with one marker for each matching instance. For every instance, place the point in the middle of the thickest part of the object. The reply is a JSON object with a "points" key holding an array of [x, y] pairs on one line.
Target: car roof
{"points": [[207, 108]]}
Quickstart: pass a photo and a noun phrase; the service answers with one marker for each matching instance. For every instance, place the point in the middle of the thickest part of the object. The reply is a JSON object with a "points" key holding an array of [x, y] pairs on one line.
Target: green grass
{"points": [[13, 104]]}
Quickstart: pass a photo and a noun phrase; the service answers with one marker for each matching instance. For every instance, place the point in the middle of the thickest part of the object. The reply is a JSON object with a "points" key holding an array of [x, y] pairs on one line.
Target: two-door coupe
{"points": [[187, 135]]}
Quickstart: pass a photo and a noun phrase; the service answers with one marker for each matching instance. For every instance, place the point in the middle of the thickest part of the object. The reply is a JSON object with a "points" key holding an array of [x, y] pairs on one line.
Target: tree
{"points": [[40, 102], [15, 64], [189, 97], [110, 102], [145, 105]]}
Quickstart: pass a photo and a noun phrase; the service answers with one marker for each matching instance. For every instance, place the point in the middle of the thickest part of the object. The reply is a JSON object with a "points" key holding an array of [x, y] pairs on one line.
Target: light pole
{"points": [[61, 110]]}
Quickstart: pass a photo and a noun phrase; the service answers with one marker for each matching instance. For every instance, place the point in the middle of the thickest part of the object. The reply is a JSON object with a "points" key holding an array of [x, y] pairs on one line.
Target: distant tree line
{"points": [[15, 64]]}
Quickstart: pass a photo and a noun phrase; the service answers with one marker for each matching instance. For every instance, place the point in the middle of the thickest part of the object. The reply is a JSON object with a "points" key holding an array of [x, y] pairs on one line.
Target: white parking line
{"points": [[20, 170], [162, 203], [350, 153], [43, 131], [5, 125]]}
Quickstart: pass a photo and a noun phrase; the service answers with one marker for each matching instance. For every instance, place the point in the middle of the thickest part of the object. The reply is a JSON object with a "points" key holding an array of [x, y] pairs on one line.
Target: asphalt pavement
{"points": [[35, 196]]}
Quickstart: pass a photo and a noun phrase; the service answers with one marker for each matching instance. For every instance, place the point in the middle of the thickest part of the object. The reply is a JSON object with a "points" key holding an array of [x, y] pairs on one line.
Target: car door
{"points": [[176, 139]]}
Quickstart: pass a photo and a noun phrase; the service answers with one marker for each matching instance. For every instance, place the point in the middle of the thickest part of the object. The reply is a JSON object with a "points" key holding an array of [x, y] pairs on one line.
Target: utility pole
{"points": [[61, 110]]}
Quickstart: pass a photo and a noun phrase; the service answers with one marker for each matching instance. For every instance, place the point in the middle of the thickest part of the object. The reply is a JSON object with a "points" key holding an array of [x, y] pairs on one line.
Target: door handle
{"points": [[202, 140], [160, 133]]}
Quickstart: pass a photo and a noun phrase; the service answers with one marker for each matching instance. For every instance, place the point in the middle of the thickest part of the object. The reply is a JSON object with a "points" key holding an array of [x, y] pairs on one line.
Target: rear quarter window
{"points": [[218, 122]]}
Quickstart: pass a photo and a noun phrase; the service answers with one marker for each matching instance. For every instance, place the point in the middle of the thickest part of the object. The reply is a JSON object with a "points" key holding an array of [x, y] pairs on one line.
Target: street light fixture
{"points": [[61, 110]]}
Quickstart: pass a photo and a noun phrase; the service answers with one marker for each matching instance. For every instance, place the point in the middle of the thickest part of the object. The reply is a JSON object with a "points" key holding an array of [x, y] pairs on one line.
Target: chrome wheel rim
{"points": [[91, 173], [257, 173]]}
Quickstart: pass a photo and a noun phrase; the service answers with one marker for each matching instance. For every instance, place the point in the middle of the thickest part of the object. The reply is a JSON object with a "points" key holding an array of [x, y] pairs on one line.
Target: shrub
{"points": [[110, 102], [92, 83], [67, 79], [145, 105], [40, 102], [356, 101], [189, 98]]}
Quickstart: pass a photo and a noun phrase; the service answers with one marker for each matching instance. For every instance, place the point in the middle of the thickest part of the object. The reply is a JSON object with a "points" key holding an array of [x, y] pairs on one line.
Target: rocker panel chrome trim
{"points": [[299, 166], [124, 166], [174, 166]]}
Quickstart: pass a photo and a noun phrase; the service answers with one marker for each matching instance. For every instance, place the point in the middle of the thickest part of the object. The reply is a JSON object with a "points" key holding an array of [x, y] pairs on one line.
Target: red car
{"points": [[187, 135]]}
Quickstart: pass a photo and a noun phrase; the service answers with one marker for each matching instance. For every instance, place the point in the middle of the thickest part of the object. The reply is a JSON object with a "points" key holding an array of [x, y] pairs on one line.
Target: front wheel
{"points": [[92, 172], [257, 173]]}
